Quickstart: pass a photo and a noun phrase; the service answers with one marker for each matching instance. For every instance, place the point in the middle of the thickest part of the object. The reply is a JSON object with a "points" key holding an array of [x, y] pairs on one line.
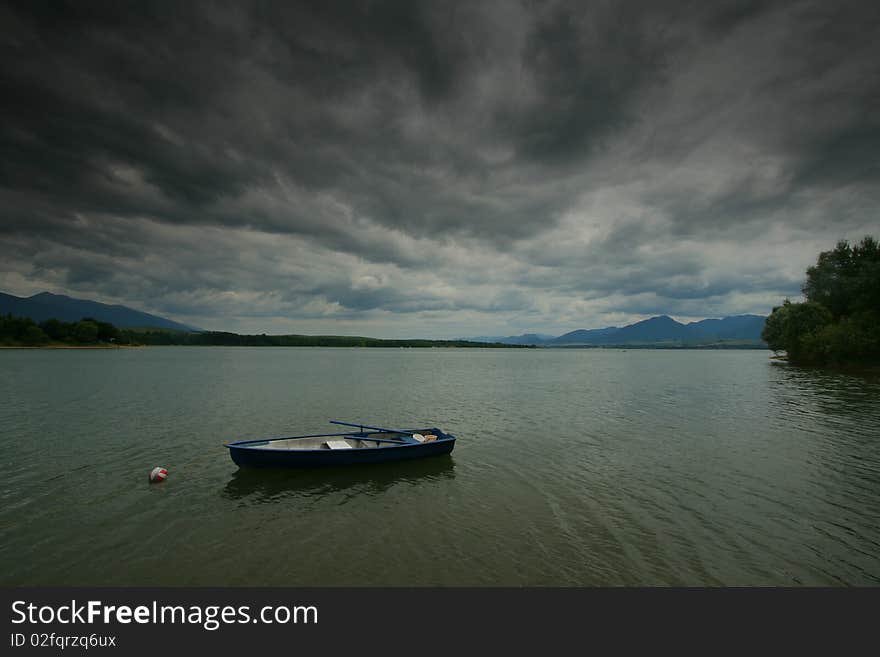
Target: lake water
{"points": [[572, 468]]}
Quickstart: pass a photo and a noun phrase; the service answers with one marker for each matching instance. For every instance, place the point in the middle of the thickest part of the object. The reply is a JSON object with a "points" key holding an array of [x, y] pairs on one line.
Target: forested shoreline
{"points": [[838, 324], [88, 332]]}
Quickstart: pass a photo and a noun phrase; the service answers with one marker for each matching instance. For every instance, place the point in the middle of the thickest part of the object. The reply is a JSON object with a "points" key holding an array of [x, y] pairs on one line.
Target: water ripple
{"points": [[593, 467]]}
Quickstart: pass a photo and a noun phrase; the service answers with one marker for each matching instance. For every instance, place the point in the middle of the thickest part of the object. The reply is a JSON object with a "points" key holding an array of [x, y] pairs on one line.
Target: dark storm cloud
{"points": [[205, 104], [559, 159]]}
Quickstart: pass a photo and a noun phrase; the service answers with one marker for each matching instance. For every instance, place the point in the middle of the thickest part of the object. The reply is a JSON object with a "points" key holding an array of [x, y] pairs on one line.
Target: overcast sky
{"points": [[438, 169]]}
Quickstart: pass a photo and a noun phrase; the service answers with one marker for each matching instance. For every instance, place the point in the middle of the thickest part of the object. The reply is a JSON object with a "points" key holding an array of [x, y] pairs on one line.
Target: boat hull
{"points": [[245, 455]]}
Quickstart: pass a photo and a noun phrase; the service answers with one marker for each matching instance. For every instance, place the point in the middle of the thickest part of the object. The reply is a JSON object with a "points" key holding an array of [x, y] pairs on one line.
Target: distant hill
{"points": [[584, 335], [738, 327], [655, 329], [662, 330], [45, 305], [526, 338], [665, 330]]}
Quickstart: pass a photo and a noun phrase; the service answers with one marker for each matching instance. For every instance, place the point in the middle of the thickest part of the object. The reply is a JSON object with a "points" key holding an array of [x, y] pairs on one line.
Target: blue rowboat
{"points": [[367, 445]]}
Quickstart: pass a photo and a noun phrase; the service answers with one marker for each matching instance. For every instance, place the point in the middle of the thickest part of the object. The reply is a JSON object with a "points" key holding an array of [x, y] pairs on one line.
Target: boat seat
{"points": [[337, 444]]}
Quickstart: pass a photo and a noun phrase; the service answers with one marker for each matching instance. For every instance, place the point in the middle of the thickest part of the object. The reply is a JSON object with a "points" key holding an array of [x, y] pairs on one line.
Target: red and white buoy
{"points": [[157, 475]]}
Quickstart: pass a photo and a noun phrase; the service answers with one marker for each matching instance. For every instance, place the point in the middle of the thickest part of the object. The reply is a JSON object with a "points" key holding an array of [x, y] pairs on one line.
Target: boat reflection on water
{"points": [[261, 485]]}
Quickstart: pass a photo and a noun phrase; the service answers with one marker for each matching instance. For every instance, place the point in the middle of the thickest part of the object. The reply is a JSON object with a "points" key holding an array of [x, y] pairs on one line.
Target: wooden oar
{"points": [[378, 440], [365, 426]]}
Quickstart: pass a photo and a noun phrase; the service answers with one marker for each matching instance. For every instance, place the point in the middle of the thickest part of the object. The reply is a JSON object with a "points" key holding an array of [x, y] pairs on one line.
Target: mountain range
{"points": [[662, 330], [738, 330], [45, 305]]}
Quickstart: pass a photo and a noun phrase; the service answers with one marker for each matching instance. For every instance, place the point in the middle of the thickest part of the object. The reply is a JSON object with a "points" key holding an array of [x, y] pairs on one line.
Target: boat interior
{"points": [[371, 441]]}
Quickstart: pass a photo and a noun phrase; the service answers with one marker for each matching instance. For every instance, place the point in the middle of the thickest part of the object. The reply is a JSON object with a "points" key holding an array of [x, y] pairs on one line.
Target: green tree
{"points": [[56, 330], [773, 332], [801, 323], [85, 332], [107, 332], [34, 336], [846, 280], [790, 324], [840, 321]]}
